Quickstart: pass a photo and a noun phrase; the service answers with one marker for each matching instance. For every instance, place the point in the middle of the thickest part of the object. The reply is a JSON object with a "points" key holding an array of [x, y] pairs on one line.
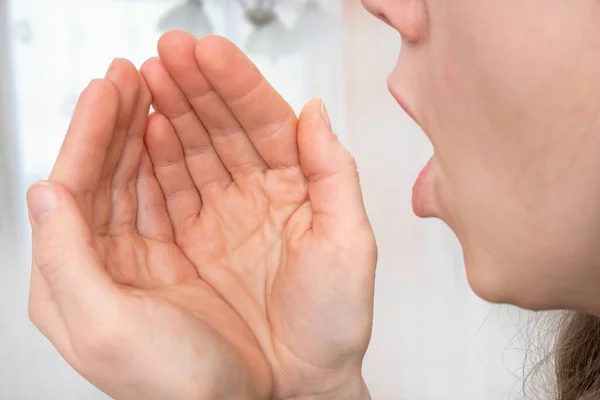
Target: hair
{"points": [[577, 357]]}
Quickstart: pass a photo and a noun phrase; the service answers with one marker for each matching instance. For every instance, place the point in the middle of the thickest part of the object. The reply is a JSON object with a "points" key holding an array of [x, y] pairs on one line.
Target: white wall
{"points": [[30, 368], [7, 145], [433, 339]]}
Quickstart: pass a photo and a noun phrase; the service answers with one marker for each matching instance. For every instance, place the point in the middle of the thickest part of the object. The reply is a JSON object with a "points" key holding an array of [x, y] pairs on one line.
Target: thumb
{"points": [[63, 250], [333, 182]]}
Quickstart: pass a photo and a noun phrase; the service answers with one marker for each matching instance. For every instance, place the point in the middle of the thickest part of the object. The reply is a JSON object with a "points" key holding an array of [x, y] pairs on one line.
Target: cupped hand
{"points": [[268, 210], [110, 287]]}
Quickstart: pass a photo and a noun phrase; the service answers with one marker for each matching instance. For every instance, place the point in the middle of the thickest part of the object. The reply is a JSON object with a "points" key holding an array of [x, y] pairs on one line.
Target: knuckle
{"points": [[50, 263], [49, 255]]}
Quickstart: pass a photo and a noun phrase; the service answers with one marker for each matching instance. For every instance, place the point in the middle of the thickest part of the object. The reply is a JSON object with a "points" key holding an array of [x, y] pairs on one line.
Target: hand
{"points": [[110, 288], [269, 211]]}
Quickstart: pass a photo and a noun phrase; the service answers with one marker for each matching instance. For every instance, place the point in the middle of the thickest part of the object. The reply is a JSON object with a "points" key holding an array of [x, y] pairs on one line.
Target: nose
{"points": [[408, 17]]}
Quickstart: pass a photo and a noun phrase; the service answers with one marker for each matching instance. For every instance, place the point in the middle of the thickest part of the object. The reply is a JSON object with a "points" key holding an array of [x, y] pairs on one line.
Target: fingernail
{"points": [[325, 114], [41, 200]]}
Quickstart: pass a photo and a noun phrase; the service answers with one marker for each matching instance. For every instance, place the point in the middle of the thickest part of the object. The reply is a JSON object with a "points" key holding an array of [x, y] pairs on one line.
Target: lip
{"points": [[421, 193], [403, 103]]}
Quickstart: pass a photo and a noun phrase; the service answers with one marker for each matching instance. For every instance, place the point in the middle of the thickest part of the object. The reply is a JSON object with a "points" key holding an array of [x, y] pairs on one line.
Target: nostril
{"points": [[384, 18]]}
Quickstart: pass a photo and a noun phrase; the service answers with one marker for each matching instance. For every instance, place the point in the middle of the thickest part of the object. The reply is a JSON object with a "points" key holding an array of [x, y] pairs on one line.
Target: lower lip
{"points": [[420, 195]]}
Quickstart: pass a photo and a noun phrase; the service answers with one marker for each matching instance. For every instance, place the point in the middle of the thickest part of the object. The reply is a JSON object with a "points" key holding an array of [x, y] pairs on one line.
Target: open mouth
{"points": [[403, 103], [422, 189]]}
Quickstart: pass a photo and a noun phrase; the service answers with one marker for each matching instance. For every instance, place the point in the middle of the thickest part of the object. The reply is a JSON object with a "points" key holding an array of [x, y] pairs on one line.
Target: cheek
{"points": [[499, 87], [508, 116], [490, 98], [460, 118]]}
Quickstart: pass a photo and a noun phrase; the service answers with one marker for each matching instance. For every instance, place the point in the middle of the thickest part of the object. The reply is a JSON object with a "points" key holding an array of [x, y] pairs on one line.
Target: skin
{"points": [[226, 238], [507, 91], [159, 330], [244, 265]]}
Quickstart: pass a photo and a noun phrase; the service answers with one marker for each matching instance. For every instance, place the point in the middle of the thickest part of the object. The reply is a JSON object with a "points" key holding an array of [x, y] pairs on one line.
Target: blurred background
{"points": [[433, 339]]}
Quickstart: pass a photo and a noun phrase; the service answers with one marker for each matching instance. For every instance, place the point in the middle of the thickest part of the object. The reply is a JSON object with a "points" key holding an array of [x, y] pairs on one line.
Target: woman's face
{"points": [[508, 91]]}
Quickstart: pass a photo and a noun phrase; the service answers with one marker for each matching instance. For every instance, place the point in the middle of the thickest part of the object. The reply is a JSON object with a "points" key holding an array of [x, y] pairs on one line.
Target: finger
{"points": [[126, 79], [152, 217], [205, 166], [83, 152], [124, 193], [64, 253], [234, 147], [333, 183], [267, 118], [181, 196], [123, 74]]}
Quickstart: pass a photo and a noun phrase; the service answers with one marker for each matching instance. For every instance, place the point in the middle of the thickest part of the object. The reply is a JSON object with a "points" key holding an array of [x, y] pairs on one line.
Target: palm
{"points": [[226, 238], [241, 236], [143, 324], [165, 296], [256, 246], [254, 221]]}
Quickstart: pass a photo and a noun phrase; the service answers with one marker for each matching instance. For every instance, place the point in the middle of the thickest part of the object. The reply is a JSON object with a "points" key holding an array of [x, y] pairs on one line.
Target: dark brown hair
{"points": [[577, 357]]}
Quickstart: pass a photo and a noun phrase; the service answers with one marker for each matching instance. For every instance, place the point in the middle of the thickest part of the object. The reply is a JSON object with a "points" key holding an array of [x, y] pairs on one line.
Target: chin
{"points": [[498, 284]]}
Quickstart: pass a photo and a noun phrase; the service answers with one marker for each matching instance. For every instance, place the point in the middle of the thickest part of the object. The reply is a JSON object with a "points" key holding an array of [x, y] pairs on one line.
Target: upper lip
{"points": [[403, 103]]}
